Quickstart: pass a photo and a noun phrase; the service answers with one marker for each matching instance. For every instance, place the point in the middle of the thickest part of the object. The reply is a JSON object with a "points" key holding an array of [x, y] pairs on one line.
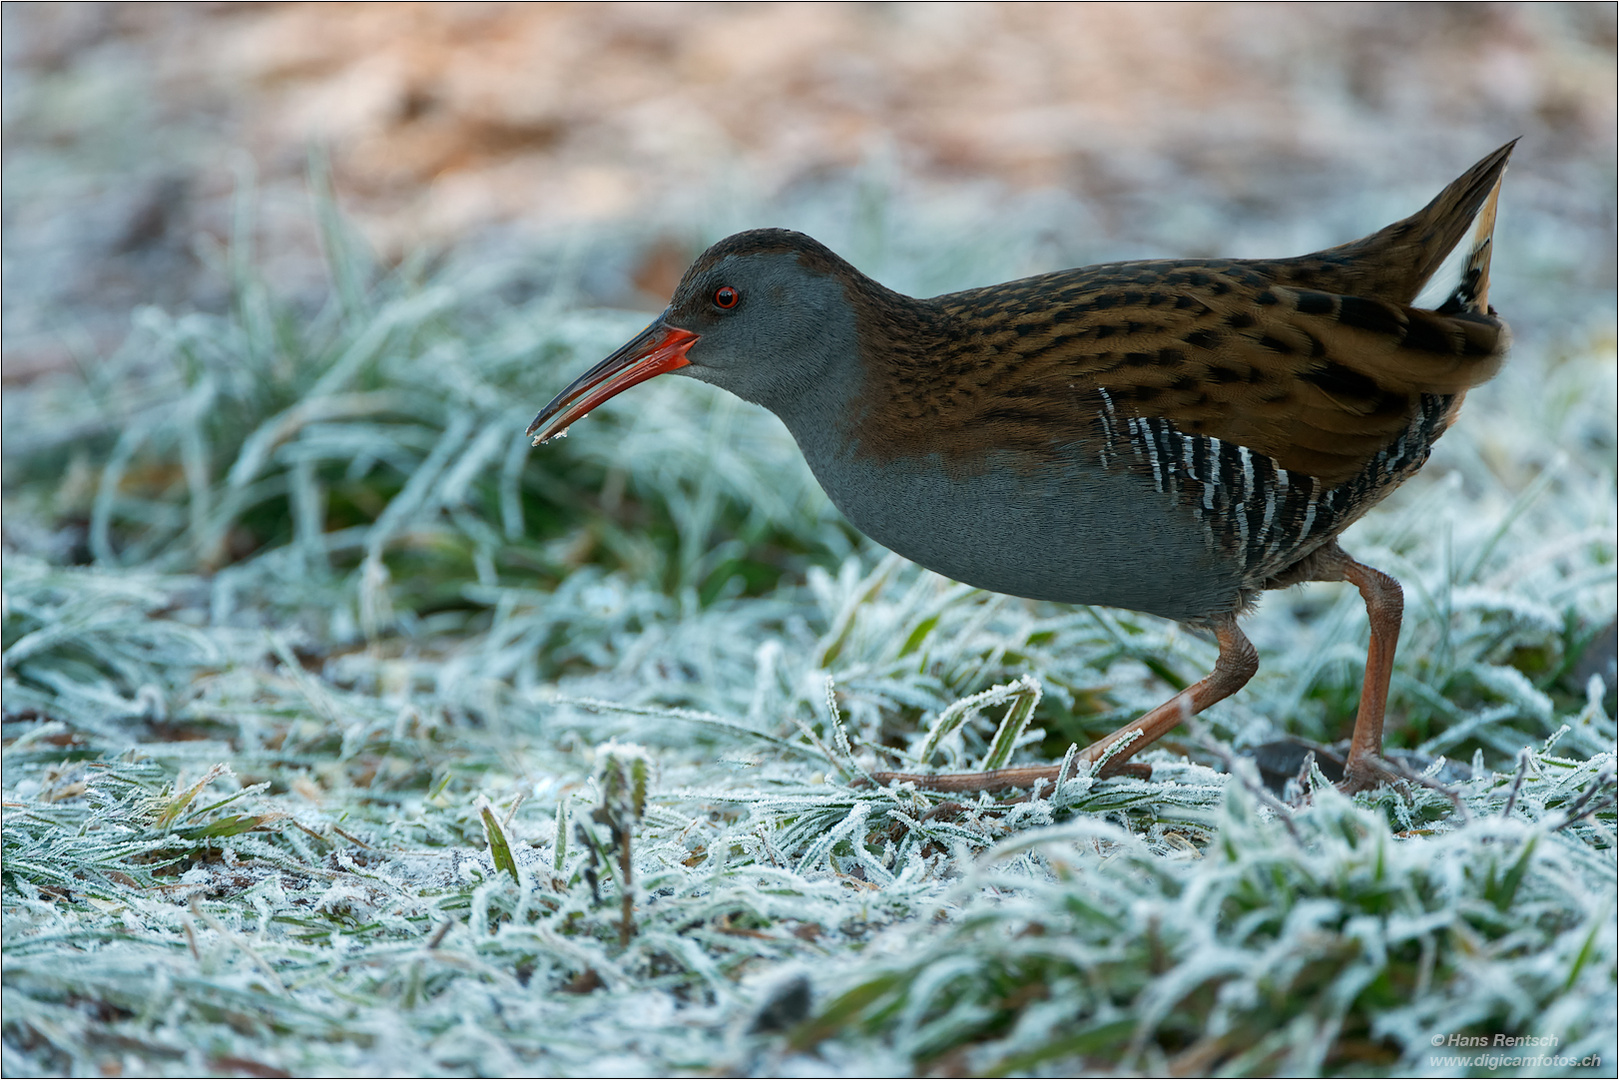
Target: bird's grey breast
{"points": [[1061, 528]]}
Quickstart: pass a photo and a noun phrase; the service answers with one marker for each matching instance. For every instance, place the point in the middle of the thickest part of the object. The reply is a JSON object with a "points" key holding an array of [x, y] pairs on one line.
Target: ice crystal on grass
{"points": [[1333, 946]]}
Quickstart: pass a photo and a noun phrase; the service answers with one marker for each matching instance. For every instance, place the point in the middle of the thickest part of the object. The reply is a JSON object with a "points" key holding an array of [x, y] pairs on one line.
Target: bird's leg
{"points": [[1233, 668], [1385, 605], [1236, 665]]}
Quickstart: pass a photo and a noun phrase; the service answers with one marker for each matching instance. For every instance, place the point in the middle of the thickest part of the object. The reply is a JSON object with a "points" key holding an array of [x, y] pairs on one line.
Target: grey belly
{"points": [[1066, 531]]}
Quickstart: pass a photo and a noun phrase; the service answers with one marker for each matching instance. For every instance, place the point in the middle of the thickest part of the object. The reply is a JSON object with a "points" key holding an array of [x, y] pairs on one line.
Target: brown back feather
{"points": [[1317, 362]]}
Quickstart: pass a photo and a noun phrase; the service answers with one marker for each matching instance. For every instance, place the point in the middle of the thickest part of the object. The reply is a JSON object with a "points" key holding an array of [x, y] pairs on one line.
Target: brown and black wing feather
{"points": [[1253, 352]]}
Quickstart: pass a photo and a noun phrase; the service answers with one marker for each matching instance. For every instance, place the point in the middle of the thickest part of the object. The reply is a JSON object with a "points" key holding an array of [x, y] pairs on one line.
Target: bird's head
{"points": [[765, 314]]}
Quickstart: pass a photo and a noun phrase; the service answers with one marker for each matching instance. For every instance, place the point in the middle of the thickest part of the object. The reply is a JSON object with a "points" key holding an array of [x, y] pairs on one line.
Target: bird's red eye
{"points": [[726, 297]]}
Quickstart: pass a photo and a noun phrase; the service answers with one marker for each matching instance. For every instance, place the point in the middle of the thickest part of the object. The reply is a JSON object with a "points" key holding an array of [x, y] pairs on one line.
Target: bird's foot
{"points": [[1366, 772]]}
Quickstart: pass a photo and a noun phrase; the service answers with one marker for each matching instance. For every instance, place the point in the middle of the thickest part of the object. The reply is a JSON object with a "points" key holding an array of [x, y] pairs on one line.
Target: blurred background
{"points": [[1128, 131]]}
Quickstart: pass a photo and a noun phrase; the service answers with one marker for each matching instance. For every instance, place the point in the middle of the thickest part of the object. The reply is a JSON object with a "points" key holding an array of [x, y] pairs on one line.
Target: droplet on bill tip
{"points": [[563, 434]]}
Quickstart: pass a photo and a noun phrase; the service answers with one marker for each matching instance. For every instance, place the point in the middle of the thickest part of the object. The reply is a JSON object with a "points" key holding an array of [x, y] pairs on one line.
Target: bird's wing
{"points": [[1317, 381], [1318, 362]]}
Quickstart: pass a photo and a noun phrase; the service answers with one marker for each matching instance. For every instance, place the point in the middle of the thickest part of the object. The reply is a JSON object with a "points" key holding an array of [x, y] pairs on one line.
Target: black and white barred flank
{"points": [[1251, 507]]}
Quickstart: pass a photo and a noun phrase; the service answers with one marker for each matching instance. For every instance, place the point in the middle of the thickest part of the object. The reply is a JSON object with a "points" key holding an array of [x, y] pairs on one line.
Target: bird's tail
{"points": [[1394, 263], [1472, 292]]}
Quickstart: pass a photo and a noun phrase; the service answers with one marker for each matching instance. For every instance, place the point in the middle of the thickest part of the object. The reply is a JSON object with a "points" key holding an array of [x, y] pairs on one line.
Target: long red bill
{"points": [[655, 350]]}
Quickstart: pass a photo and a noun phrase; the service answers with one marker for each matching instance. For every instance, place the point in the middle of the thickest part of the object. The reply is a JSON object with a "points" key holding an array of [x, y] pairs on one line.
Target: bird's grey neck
{"points": [[834, 410], [817, 410]]}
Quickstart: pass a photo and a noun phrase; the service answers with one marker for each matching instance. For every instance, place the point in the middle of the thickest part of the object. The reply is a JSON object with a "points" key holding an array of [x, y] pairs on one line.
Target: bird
{"points": [[1168, 436]]}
